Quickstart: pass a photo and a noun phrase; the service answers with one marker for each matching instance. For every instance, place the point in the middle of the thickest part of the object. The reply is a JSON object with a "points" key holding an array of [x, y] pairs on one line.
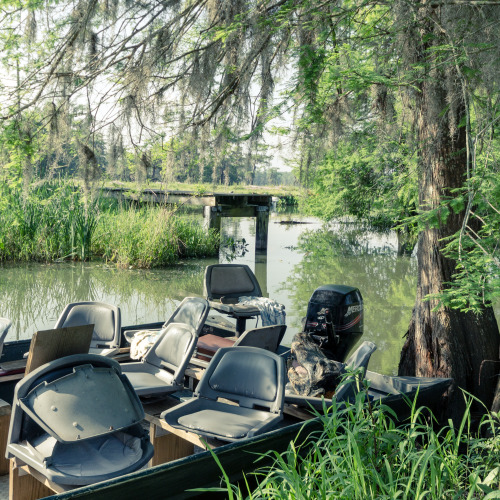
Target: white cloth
{"points": [[142, 342], [271, 312]]}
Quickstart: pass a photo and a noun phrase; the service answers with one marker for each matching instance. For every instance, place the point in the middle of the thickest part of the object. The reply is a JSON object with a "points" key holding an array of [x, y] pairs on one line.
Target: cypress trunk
{"points": [[444, 342]]}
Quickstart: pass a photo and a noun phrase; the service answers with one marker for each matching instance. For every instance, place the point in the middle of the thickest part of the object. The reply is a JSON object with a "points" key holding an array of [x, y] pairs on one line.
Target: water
{"points": [[300, 258]]}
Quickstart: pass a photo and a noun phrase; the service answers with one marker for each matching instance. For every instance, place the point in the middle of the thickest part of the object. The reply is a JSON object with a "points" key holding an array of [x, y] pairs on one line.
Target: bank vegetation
{"points": [[57, 222]]}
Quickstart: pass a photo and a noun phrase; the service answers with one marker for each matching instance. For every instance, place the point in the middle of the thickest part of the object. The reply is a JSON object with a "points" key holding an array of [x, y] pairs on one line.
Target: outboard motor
{"points": [[335, 319]]}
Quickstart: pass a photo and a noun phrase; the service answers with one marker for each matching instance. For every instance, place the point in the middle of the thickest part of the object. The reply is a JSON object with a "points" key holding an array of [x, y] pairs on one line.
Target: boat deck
{"points": [[170, 444]]}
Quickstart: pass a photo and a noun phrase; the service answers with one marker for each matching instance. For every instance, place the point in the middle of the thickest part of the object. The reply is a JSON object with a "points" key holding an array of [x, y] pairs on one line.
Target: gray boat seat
{"points": [[5, 324], [162, 368], [224, 284], [358, 362], [106, 319], [77, 421], [250, 377], [265, 337], [190, 311]]}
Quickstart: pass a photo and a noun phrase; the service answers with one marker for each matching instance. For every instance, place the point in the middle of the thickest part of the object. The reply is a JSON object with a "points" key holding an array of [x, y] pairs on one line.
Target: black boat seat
{"points": [[106, 319], [250, 377], [224, 284]]}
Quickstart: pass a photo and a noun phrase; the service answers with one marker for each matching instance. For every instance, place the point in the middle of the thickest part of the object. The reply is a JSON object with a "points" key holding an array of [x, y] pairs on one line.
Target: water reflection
{"points": [[301, 257]]}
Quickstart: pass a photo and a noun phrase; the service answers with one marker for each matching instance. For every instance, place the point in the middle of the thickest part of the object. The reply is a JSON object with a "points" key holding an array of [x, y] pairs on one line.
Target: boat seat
{"points": [[106, 319], [77, 421], [250, 377], [5, 324], [162, 368], [265, 337], [357, 362], [190, 311], [224, 284]]}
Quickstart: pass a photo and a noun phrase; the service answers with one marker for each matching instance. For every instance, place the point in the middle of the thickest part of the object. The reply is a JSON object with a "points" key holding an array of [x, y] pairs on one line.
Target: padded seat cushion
{"points": [[209, 344], [92, 457], [223, 423], [143, 380]]}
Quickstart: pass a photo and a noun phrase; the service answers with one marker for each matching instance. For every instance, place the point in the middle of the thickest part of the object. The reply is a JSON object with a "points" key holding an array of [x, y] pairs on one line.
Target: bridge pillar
{"points": [[261, 227], [212, 217]]}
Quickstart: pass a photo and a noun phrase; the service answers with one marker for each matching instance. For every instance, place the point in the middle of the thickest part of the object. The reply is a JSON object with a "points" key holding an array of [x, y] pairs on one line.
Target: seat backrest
{"points": [[192, 311], [91, 404], [265, 337], [357, 361], [230, 280], [5, 324], [250, 376], [173, 349], [106, 319]]}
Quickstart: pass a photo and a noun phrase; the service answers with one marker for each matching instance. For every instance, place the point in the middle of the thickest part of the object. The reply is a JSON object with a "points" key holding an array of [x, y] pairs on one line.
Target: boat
{"points": [[332, 309]]}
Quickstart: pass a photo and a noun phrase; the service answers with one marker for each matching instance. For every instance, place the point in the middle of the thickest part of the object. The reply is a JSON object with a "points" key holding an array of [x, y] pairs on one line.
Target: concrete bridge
{"points": [[216, 206]]}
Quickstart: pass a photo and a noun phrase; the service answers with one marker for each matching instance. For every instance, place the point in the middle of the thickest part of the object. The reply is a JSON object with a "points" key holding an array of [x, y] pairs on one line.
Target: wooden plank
{"points": [[167, 446], [24, 486], [195, 372], [48, 345], [53, 487]]}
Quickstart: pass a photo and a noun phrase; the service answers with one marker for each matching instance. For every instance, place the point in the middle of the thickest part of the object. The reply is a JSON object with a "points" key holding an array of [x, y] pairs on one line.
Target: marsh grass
{"points": [[55, 222], [362, 454], [152, 237]]}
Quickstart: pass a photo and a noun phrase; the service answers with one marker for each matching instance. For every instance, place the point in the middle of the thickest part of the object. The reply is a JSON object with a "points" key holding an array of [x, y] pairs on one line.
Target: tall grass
{"points": [[151, 237], [362, 454], [55, 222]]}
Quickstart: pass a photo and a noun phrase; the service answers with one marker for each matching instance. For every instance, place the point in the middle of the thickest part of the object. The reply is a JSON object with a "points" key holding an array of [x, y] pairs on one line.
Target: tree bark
{"points": [[444, 342]]}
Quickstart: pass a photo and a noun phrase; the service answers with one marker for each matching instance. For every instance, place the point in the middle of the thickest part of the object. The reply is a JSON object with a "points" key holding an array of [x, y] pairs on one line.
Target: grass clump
{"points": [[361, 454], [151, 237]]}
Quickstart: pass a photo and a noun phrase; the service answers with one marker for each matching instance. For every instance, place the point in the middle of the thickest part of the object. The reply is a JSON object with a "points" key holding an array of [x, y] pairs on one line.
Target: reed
{"points": [[152, 237], [362, 453]]}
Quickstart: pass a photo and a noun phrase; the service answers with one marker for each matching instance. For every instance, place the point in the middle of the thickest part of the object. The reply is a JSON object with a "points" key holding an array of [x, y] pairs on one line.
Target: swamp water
{"points": [[301, 256]]}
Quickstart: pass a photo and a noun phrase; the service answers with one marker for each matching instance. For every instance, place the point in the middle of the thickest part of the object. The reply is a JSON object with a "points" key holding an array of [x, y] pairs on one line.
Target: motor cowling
{"points": [[335, 319]]}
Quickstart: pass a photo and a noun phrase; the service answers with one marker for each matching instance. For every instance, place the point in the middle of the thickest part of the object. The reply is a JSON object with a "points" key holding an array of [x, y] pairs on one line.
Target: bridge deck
{"points": [[217, 205], [150, 195]]}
